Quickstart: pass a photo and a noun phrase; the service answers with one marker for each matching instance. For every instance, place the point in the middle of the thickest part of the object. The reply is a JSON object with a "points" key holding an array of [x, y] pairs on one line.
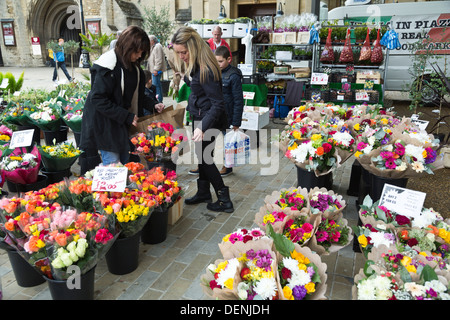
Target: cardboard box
{"points": [[227, 30], [207, 30], [277, 38], [289, 37], [303, 37], [176, 211], [198, 28], [254, 118], [297, 69], [239, 30]]}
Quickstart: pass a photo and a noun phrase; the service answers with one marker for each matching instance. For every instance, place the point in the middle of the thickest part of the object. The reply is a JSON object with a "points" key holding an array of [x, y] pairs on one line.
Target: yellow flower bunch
{"points": [[132, 212], [5, 137]]}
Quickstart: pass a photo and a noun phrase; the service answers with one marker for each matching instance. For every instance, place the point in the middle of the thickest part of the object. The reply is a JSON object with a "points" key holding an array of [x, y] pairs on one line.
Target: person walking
{"points": [[232, 93], [116, 99], [157, 65], [207, 107], [217, 41], [60, 62]]}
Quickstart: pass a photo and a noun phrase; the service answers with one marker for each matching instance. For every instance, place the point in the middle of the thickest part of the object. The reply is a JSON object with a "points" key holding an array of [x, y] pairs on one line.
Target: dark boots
{"points": [[203, 193], [223, 203]]}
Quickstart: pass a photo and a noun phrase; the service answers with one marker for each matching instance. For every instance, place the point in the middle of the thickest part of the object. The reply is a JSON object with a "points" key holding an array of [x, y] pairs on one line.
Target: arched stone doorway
{"points": [[48, 20]]}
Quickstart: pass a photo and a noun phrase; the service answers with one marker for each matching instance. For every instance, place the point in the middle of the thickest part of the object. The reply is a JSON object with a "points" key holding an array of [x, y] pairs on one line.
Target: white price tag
{"points": [[422, 124], [22, 138], [110, 179], [249, 95], [402, 201], [319, 78], [362, 96]]}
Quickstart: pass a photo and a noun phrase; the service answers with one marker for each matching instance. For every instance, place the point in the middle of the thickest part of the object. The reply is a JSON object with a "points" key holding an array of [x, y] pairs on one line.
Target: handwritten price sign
{"points": [[319, 78], [22, 138], [110, 179]]}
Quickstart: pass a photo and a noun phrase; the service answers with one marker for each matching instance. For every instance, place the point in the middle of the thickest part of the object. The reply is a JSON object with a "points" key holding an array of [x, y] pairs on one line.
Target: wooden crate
{"points": [[362, 76], [176, 211]]}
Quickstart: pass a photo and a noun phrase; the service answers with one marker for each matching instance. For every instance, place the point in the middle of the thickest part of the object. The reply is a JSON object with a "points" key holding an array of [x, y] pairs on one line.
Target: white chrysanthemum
{"points": [[378, 239], [12, 165], [425, 218], [28, 157], [366, 290], [383, 294], [299, 278], [300, 154], [436, 285], [382, 283], [343, 137], [414, 151], [291, 264], [266, 288], [228, 272]]}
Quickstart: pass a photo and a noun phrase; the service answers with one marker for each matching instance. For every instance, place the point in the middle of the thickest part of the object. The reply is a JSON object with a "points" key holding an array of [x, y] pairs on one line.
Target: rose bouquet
{"points": [[131, 209], [47, 115], [60, 156], [20, 166]]}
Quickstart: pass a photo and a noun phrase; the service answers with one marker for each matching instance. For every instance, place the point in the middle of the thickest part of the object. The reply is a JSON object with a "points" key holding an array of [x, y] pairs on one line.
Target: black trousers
{"points": [[207, 169]]}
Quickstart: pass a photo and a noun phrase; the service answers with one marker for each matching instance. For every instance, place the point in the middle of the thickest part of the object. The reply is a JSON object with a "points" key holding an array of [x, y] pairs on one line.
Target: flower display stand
{"points": [[26, 275], [61, 290], [56, 176], [309, 180], [166, 165], [40, 183], [123, 256], [155, 230], [58, 136], [378, 185]]}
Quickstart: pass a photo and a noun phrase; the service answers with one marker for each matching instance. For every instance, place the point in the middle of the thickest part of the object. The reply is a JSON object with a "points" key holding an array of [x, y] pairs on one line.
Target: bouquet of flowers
{"points": [[47, 115], [73, 119], [300, 229], [372, 213], [241, 235], [272, 215], [371, 237], [143, 146], [17, 113], [60, 156], [221, 279], [330, 236], [5, 134], [294, 199], [20, 166], [131, 209], [326, 202]]}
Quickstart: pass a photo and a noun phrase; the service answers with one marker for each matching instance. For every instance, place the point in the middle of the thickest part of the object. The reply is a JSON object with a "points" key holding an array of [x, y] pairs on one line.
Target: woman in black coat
{"points": [[207, 108], [116, 99]]}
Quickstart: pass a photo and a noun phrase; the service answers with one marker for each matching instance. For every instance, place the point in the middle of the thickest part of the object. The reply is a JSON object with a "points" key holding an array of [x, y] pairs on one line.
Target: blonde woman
{"points": [[207, 108]]}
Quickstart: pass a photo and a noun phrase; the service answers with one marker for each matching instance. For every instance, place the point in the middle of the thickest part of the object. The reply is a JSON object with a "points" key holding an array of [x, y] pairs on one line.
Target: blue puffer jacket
{"points": [[233, 95], [59, 56]]}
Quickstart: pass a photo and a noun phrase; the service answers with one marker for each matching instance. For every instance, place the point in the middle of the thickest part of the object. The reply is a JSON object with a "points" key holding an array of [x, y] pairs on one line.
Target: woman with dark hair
{"points": [[116, 99], [207, 107]]}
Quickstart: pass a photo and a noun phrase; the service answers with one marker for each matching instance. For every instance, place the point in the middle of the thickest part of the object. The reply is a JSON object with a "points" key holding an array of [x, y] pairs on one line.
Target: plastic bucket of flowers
{"points": [[26, 275], [58, 159]]}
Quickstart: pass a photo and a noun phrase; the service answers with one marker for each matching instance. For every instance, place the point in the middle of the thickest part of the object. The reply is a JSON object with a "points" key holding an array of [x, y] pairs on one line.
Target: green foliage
{"points": [[71, 47], [158, 23], [13, 84], [96, 43]]}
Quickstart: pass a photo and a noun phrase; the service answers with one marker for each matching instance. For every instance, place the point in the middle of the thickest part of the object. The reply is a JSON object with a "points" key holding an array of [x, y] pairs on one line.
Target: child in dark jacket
{"points": [[152, 104], [232, 93]]}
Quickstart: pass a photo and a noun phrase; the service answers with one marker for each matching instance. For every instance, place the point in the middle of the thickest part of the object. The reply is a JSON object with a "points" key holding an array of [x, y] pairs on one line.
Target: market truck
{"points": [[413, 21]]}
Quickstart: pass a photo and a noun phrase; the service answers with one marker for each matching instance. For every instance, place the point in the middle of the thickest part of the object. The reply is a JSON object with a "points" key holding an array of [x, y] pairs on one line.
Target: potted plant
{"points": [[197, 25]]}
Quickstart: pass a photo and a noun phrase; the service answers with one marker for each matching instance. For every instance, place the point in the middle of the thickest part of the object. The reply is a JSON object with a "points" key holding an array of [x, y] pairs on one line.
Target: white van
{"points": [[409, 20]]}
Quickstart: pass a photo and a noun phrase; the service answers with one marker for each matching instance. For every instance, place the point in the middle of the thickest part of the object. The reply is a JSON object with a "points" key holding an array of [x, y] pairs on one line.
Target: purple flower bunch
{"points": [[262, 258], [324, 201]]}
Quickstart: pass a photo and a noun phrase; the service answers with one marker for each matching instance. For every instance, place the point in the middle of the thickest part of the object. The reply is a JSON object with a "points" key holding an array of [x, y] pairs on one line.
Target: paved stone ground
{"points": [[171, 270]]}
